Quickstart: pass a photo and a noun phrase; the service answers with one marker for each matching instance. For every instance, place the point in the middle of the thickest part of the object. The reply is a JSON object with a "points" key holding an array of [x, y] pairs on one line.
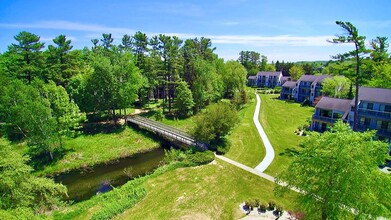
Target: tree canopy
{"points": [[338, 174]]}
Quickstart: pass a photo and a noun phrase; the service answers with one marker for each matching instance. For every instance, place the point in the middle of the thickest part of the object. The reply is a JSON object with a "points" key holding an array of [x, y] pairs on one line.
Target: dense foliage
{"points": [[216, 122], [21, 190], [338, 173]]}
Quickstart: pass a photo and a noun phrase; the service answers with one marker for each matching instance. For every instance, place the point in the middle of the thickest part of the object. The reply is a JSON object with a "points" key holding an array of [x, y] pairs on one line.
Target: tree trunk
{"points": [[126, 117], [51, 155], [355, 120], [114, 117], [324, 215]]}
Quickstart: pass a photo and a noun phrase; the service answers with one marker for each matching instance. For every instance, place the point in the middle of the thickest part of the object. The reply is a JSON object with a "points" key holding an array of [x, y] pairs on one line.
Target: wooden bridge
{"points": [[166, 131]]}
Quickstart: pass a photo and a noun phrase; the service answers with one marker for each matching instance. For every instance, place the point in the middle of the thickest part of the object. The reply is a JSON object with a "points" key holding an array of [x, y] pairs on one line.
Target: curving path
{"points": [[268, 159]]}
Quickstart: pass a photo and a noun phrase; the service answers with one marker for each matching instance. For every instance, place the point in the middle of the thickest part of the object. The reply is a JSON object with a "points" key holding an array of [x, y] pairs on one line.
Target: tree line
{"points": [[48, 92]]}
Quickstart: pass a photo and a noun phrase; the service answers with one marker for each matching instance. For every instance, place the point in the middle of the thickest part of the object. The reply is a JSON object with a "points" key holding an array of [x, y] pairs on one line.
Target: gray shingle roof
{"points": [[289, 84], [313, 78], [252, 77], [374, 95], [269, 73], [334, 104]]}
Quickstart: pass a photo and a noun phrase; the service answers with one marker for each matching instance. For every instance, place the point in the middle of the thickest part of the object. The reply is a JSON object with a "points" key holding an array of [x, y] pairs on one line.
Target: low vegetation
{"points": [[246, 145], [280, 119], [89, 150], [212, 191]]}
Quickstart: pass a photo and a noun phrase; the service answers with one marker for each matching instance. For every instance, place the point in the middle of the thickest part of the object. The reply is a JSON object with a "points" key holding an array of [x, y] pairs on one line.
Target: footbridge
{"points": [[166, 131]]}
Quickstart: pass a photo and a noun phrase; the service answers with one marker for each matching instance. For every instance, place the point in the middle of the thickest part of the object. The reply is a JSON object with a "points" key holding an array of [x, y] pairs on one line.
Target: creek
{"points": [[83, 184]]}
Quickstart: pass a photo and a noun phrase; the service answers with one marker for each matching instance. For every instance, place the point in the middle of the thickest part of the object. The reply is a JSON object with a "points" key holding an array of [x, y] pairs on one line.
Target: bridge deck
{"points": [[165, 130]]}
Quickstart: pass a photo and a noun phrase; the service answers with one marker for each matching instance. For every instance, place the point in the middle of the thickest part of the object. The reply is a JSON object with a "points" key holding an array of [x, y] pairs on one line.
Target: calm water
{"points": [[83, 185]]}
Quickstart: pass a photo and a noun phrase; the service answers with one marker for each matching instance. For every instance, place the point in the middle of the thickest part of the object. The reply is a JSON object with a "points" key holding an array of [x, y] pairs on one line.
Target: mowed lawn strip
{"points": [[280, 119], [89, 150], [212, 191], [246, 145]]}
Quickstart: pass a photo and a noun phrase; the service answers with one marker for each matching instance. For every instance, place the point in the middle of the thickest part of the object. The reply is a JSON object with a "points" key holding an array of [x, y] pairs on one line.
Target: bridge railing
{"points": [[163, 129]]}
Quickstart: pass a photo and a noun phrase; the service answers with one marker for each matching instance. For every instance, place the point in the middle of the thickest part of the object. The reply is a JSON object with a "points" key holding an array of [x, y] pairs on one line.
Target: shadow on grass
{"points": [[40, 161], [102, 128], [290, 152]]}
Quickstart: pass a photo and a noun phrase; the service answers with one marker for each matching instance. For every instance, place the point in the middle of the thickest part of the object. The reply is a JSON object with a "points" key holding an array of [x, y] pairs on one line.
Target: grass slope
{"points": [[246, 144], [280, 119], [88, 150], [212, 191]]}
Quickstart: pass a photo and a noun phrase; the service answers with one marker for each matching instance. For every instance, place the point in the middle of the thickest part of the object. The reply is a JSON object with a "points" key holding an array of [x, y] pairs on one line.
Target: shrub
{"points": [[262, 207], [251, 203], [199, 158], [271, 205], [221, 150], [159, 116], [279, 210], [173, 155]]}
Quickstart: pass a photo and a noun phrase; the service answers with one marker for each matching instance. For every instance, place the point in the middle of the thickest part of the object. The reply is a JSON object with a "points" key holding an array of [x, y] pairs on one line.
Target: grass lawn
{"points": [[246, 144], [212, 191], [280, 119], [187, 125], [88, 150]]}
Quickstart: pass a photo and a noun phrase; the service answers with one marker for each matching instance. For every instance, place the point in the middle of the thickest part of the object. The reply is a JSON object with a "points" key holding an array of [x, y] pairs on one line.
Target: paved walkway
{"points": [[269, 149], [246, 168], [253, 171]]}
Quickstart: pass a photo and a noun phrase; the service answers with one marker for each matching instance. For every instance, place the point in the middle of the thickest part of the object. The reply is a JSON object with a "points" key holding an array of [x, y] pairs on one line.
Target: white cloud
{"points": [[67, 25], [258, 41]]}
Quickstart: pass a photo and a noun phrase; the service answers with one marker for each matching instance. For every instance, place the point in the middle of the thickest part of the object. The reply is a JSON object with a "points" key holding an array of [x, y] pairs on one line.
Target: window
{"points": [[370, 106], [337, 115], [384, 125], [367, 121], [387, 108]]}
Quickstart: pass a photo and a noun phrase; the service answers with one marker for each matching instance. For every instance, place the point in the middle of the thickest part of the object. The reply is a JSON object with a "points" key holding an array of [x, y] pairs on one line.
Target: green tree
{"points": [[39, 113], [19, 188], [61, 62], [379, 52], [207, 86], [337, 86], [251, 60], [216, 122], [338, 175], [28, 115], [381, 76], [352, 37], [29, 57], [184, 100], [296, 71], [107, 41], [234, 78], [66, 113]]}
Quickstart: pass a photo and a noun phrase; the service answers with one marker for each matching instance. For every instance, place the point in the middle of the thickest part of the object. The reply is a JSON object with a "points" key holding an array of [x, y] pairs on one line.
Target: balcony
{"points": [[304, 86], [382, 132], [324, 119], [374, 114]]}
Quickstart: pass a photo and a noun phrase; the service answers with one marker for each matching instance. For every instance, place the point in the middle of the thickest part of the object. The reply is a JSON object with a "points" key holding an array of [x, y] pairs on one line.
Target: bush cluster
{"points": [[191, 157], [251, 204]]}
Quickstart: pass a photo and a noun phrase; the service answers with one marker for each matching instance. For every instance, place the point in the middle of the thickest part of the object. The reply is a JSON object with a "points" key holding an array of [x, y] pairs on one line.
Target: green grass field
{"points": [[212, 191], [280, 119], [246, 145], [89, 150]]}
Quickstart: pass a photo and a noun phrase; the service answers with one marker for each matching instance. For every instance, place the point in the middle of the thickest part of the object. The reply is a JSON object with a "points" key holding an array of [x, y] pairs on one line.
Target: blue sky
{"points": [[282, 30]]}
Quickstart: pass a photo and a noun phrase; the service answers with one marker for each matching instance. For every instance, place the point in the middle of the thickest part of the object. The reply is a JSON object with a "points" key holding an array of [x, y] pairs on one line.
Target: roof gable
{"points": [[269, 74], [342, 105], [377, 95]]}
